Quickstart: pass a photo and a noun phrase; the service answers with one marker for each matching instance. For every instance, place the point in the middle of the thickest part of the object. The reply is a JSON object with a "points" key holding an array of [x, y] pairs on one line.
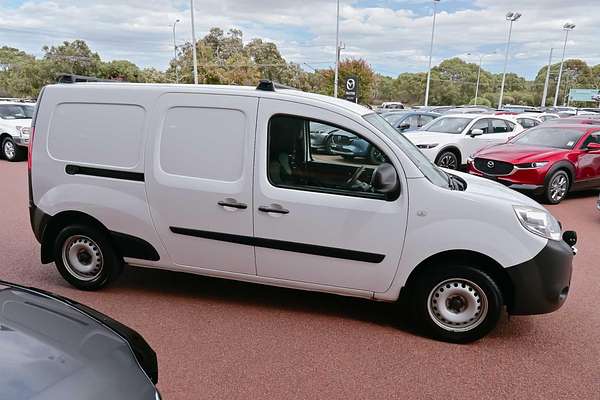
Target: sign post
{"points": [[351, 93]]}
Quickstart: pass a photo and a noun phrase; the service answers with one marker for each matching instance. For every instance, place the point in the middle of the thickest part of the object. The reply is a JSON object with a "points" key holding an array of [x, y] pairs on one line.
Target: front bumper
{"points": [[21, 141], [541, 285], [512, 181]]}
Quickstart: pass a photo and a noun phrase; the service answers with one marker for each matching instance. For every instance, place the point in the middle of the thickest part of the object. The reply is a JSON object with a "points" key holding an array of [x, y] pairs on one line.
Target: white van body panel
{"points": [[201, 152], [331, 220], [481, 208], [119, 205]]}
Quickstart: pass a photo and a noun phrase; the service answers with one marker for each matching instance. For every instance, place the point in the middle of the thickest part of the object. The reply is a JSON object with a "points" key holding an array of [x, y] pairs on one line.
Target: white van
{"points": [[221, 181]]}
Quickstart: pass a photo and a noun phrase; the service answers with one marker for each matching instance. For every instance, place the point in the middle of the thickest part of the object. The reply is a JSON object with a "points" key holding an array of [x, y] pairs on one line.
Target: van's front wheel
{"points": [[85, 257], [458, 304]]}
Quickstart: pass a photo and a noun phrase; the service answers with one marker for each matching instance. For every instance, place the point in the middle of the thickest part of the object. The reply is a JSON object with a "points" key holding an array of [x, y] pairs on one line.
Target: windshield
{"points": [[447, 125], [430, 170], [558, 138], [394, 118], [14, 111]]}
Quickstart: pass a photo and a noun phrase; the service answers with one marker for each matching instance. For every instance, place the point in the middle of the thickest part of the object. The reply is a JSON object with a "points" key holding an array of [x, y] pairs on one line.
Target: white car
{"points": [[528, 120], [543, 116], [15, 127], [450, 140], [221, 181]]}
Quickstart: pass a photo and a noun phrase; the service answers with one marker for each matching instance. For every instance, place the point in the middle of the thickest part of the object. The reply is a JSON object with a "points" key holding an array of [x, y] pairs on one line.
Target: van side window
{"points": [[343, 165]]}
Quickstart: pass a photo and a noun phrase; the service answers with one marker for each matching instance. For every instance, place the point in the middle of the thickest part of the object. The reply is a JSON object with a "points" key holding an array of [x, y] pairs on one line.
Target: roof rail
{"points": [[72, 78], [270, 86]]}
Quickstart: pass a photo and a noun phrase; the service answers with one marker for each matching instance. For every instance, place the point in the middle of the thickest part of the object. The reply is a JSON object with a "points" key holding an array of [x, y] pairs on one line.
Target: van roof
{"points": [[228, 89]]}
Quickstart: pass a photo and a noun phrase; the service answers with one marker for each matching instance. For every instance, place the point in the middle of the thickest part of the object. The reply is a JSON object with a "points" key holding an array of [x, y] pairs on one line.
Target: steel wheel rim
{"points": [[82, 258], [558, 187], [448, 160], [457, 305], [9, 150]]}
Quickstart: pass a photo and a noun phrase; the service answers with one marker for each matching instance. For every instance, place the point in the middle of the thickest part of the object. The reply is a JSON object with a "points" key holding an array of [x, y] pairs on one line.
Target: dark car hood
{"points": [[517, 154], [49, 350]]}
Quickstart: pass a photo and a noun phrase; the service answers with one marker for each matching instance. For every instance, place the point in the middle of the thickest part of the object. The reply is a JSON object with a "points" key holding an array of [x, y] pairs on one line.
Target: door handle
{"points": [[274, 208], [233, 204]]}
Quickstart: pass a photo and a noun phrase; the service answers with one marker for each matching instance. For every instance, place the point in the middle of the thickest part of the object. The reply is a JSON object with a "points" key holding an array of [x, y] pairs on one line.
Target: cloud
{"points": [[393, 35]]}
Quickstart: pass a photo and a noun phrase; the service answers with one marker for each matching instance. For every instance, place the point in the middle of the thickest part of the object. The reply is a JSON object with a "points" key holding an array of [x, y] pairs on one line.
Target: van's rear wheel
{"points": [[85, 257], [458, 304]]}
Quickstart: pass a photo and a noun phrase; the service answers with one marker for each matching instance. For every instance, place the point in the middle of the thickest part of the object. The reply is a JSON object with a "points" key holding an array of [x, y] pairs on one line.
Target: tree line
{"points": [[223, 58]]}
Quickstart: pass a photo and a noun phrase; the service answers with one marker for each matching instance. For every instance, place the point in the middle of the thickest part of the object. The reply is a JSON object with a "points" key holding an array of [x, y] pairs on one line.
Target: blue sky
{"points": [[393, 35]]}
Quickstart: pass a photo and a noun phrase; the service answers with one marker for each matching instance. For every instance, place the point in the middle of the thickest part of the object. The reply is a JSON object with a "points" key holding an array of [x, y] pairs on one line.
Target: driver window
{"points": [[593, 138], [342, 162], [500, 126], [482, 124]]}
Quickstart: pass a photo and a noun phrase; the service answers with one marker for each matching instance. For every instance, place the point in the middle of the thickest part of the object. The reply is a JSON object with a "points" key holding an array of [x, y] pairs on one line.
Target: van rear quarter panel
{"points": [[100, 127]]}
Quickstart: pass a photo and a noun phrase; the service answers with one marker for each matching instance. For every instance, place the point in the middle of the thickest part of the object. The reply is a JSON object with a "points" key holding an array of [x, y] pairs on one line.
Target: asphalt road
{"points": [[217, 339]]}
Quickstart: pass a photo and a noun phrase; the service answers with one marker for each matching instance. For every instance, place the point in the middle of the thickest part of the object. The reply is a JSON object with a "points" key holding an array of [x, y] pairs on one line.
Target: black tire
{"points": [[93, 249], [447, 159], [376, 156], [468, 289], [12, 152], [557, 186]]}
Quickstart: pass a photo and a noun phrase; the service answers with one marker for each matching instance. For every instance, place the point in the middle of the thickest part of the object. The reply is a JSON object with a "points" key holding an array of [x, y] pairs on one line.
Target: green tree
{"points": [[20, 73], [120, 70], [71, 57]]}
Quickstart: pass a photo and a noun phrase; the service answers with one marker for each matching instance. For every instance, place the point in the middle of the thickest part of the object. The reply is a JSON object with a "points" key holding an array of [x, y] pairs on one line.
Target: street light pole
{"points": [[337, 51], [194, 44], [512, 17], [545, 95], [175, 51], [566, 27], [430, 53], [481, 56]]}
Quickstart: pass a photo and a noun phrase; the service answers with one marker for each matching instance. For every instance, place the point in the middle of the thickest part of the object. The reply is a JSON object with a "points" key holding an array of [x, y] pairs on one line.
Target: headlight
{"points": [[538, 164], [23, 130], [470, 160], [538, 221], [427, 146]]}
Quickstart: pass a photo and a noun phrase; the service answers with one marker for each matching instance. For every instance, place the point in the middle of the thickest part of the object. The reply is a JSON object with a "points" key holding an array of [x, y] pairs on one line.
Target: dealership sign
{"points": [[352, 89], [584, 95]]}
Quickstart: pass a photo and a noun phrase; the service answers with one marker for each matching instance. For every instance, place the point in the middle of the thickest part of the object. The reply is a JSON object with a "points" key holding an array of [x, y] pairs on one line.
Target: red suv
{"points": [[548, 160]]}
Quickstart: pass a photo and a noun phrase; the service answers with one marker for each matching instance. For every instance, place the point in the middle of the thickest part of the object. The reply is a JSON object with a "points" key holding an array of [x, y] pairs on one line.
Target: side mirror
{"points": [[593, 146], [404, 127], [476, 132], [385, 181]]}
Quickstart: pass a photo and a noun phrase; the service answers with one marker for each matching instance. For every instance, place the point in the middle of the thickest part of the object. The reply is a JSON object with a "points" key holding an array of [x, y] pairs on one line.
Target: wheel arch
{"points": [[59, 221], [452, 148], [465, 257], [562, 165]]}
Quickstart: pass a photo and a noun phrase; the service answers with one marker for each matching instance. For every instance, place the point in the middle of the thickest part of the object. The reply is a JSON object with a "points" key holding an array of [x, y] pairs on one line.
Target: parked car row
{"points": [[549, 160]]}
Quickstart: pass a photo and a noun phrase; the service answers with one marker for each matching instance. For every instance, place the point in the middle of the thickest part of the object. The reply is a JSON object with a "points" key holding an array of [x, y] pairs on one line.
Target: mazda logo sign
{"points": [[350, 84], [490, 164]]}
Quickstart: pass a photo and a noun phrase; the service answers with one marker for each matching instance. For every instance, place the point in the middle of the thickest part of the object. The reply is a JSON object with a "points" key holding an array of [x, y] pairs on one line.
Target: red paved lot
{"points": [[225, 340]]}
